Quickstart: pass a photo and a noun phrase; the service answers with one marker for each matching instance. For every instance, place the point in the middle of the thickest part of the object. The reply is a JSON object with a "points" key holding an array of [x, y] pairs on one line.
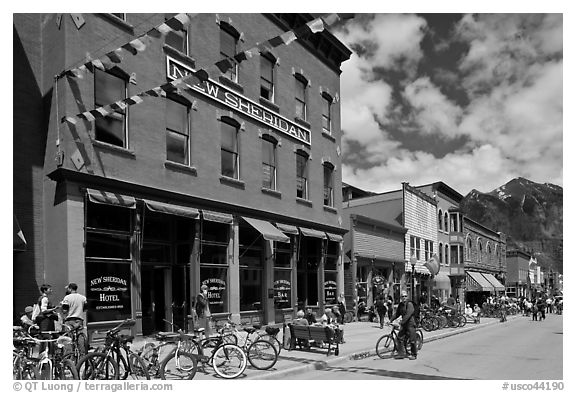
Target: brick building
{"points": [[517, 273], [230, 183]]}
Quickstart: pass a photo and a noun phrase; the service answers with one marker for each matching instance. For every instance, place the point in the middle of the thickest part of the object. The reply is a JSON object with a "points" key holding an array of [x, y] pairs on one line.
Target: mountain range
{"points": [[529, 213]]}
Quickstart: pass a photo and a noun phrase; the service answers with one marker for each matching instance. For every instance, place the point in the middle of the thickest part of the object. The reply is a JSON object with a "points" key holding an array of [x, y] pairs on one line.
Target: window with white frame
{"points": [[177, 132], [300, 97], [428, 249], [328, 184], [326, 113], [267, 77], [440, 220], [228, 43], [415, 247], [268, 162], [301, 174], [110, 87], [229, 149]]}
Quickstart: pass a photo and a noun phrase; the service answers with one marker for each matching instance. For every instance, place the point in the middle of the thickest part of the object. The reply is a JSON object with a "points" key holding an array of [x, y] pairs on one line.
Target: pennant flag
{"points": [[69, 119], [264, 47], [316, 25], [128, 47], [276, 41], [96, 113], [202, 75], [138, 44], [107, 62], [98, 64], [58, 19], [114, 56], [134, 100], [346, 16], [103, 111], [154, 33], [87, 115], [331, 19], [224, 65], [240, 57], [118, 105], [251, 52], [78, 20], [164, 29], [302, 31], [288, 37]]}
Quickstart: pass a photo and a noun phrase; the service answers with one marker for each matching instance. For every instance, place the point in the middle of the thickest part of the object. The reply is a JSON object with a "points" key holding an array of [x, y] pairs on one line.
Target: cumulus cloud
{"points": [[512, 120]]}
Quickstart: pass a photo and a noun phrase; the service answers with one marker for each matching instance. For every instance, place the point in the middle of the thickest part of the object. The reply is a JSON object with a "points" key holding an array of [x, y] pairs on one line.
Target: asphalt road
{"points": [[517, 349]]}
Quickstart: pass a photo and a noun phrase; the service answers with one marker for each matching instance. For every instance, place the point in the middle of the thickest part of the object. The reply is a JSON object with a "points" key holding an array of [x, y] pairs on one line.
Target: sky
{"points": [[473, 100]]}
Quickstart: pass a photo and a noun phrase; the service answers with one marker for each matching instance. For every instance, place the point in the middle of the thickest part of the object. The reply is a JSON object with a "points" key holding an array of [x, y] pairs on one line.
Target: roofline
{"points": [[386, 225], [482, 226], [441, 185]]}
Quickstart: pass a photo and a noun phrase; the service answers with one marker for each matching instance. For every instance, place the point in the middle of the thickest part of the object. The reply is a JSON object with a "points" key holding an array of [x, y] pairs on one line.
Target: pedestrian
{"points": [[342, 307], [25, 319], [382, 310], [541, 308], [390, 307], [46, 311], [534, 312], [202, 309], [549, 305], [405, 311], [73, 307]]}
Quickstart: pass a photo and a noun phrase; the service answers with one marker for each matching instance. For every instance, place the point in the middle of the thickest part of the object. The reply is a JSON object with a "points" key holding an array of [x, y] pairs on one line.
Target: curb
{"points": [[358, 354]]}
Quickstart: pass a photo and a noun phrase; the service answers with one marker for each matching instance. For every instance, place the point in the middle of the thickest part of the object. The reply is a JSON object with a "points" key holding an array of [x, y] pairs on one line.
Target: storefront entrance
{"points": [[155, 299]]}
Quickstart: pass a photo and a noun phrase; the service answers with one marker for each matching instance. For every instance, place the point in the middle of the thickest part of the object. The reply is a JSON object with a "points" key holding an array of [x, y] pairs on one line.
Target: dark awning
{"points": [[19, 239], [268, 231], [176, 210], [110, 198], [217, 217], [292, 230], [312, 233], [334, 237], [494, 282], [475, 281]]}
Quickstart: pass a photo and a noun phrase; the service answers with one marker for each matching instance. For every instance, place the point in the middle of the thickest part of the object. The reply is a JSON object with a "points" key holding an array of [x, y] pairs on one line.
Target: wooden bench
{"points": [[318, 334]]}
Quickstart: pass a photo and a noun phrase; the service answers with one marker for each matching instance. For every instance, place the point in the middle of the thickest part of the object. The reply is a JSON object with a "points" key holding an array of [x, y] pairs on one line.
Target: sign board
{"points": [[216, 291], [378, 280], [237, 102], [108, 291], [330, 291], [282, 293]]}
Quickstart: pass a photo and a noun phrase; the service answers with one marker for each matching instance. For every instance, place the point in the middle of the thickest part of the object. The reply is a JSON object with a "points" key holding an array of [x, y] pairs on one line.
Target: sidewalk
{"points": [[360, 342]]}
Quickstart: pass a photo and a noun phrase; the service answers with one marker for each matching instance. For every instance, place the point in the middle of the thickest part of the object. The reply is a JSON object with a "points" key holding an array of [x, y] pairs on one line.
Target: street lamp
{"points": [[413, 263]]}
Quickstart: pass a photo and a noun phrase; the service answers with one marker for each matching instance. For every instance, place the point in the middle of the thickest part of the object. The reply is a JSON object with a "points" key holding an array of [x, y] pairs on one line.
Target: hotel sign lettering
{"points": [[217, 92]]}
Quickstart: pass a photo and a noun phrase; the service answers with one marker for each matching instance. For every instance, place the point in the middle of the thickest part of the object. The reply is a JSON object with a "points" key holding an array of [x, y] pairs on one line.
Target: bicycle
{"points": [[52, 365], [348, 316], [108, 362], [226, 358], [178, 363], [389, 342], [79, 344], [262, 354], [23, 368]]}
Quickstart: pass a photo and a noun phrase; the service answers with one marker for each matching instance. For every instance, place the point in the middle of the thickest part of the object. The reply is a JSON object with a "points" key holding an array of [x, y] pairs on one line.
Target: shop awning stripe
{"points": [[268, 231], [217, 217], [110, 198], [494, 281], [312, 233], [182, 211], [292, 230], [333, 237], [480, 281], [418, 268]]}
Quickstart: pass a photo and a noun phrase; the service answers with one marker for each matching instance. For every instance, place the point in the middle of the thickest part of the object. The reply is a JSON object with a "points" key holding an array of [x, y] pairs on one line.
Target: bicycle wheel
{"points": [[348, 316], [209, 347], [419, 339], [182, 366], [229, 361], [65, 370], [443, 322], [427, 324], [82, 345], [272, 340], [385, 344], [97, 365], [462, 320], [137, 368], [262, 354]]}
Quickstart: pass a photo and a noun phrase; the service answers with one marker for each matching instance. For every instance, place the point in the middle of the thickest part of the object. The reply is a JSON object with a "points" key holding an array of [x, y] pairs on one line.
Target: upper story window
{"points": [[267, 77], [415, 247], [428, 249], [440, 220], [228, 43], [300, 97], [489, 253], [479, 250], [230, 165], [469, 249], [328, 184], [177, 132], [177, 39], [326, 113], [110, 87], [302, 175], [441, 253], [446, 227], [268, 162]]}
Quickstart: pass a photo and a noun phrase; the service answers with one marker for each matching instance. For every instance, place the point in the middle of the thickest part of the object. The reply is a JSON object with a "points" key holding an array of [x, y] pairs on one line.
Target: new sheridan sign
{"points": [[217, 92]]}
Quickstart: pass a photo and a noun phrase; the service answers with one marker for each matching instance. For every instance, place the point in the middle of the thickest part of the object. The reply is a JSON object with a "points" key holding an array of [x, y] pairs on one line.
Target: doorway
{"points": [[155, 299]]}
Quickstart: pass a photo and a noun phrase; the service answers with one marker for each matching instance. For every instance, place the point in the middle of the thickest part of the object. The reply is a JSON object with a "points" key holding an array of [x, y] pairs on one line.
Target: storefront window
{"points": [[108, 291], [108, 217], [283, 254], [216, 278], [155, 253], [283, 275], [307, 270], [250, 289], [250, 268], [330, 287], [332, 254]]}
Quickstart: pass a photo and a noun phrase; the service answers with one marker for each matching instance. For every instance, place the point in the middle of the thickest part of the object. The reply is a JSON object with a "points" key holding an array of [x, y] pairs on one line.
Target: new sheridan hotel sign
{"points": [[217, 92]]}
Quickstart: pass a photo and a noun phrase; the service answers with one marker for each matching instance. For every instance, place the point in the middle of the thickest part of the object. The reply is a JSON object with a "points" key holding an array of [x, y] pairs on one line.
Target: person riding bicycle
{"points": [[407, 327]]}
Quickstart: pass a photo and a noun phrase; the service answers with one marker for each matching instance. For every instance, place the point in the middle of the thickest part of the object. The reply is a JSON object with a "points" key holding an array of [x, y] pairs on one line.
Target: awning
{"points": [[268, 231], [312, 233], [494, 282], [217, 217], [433, 265], [292, 230], [418, 268], [475, 281], [110, 198], [442, 281], [19, 239], [334, 237], [176, 210]]}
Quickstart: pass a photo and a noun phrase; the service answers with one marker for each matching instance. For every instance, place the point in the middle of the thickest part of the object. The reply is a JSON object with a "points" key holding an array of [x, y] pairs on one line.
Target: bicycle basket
{"points": [[272, 330]]}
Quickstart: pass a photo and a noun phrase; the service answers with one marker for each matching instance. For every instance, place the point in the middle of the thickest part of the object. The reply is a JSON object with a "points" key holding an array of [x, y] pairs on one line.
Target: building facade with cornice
{"points": [[233, 181]]}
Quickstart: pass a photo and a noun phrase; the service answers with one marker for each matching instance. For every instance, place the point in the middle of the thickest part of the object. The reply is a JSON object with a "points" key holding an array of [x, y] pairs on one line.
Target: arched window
{"points": [[446, 221], [440, 215], [468, 248], [480, 250], [446, 254], [488, 252], [441, 252]]}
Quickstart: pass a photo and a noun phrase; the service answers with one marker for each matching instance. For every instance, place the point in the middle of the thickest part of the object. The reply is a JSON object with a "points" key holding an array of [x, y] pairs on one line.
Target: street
{"points": [[517, 349]]}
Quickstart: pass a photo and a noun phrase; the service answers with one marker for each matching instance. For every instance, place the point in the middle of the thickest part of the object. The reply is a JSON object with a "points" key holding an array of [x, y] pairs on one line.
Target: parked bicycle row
{"points": [[64, 355]]}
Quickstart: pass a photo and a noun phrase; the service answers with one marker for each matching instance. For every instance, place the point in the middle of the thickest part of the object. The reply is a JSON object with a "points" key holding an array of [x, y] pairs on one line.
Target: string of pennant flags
{"points": [[178, 22]]}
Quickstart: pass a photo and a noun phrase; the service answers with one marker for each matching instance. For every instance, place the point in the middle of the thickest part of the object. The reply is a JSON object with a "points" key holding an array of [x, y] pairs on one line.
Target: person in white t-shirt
{"points": [[73, 307]]}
